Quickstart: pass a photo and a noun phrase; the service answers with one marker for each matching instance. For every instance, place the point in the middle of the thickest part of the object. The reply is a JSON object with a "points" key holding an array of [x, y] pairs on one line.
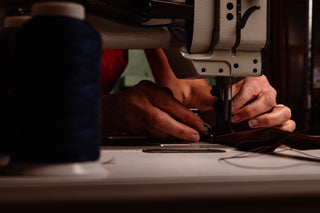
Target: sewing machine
{"points": [[145, 178], [202, 39]]}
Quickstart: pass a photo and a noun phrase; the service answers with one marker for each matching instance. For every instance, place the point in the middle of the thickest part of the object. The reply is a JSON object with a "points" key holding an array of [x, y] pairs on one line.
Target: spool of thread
{"points": [[11, 24], [57, 61]]}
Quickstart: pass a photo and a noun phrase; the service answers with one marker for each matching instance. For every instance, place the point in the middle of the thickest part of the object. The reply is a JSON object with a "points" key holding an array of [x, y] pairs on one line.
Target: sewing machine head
{"points": [[226, 40]]}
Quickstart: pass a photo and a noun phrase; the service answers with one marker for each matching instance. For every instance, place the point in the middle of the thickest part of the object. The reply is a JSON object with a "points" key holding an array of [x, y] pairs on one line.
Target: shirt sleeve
{"points": [[113, 64]]}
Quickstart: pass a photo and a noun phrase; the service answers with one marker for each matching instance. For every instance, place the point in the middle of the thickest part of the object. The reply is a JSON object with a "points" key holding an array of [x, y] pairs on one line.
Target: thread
{"points": [[11, 23], [58, 64]]}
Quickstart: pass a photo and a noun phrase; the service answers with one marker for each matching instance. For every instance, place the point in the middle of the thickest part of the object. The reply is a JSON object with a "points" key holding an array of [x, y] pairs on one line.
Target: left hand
{"points": [[254, 99]]}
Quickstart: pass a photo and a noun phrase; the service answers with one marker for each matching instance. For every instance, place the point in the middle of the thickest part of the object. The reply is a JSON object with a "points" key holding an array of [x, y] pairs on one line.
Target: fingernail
{"points": [[194, 138], [198, 125], [236, 118], [253, 123]]}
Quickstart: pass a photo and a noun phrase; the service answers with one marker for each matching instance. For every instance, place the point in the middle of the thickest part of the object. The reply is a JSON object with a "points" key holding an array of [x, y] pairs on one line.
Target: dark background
{"points": [[285, 60]]}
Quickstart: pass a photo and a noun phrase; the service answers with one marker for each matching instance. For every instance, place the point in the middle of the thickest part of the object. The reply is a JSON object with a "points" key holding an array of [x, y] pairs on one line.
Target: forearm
{"points": [[193, 93]]}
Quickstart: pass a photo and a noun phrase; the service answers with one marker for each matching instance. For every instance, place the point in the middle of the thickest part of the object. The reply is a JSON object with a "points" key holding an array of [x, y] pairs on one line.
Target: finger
{"points": [[278, 116], [167, 103], [156, 133], [289, 126], [247, 92], [237, 87], [183, 115], [160, 120], [264, 102]]}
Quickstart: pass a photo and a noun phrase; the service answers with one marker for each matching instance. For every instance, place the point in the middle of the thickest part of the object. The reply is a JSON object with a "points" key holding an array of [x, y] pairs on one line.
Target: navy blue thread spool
{"points": [[11, 23], [58, 66]]}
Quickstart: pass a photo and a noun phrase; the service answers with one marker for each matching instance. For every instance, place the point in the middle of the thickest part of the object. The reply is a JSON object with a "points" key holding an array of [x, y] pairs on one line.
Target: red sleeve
{"points": [[113, 64]]}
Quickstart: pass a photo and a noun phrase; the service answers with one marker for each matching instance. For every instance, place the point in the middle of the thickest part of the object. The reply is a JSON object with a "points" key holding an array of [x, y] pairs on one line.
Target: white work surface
{"points": [[135, 164], [176, 182]]}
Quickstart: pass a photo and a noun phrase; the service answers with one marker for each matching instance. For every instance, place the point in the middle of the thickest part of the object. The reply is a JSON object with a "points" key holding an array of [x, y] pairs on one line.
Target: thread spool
{"points": [[11, 23], [57, 57]]}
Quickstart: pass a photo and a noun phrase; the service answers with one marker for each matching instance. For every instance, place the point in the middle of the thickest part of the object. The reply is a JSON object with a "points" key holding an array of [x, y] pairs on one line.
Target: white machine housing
{"points": [[211, 53]]}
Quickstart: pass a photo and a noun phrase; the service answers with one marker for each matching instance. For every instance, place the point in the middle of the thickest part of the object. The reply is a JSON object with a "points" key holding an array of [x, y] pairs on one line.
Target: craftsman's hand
{"points": [[254, 99], [147, 109], [192, 93]]}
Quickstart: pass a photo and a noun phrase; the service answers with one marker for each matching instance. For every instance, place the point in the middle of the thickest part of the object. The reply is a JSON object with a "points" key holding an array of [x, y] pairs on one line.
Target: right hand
{"points": [[148, 109], [263, 110]]}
